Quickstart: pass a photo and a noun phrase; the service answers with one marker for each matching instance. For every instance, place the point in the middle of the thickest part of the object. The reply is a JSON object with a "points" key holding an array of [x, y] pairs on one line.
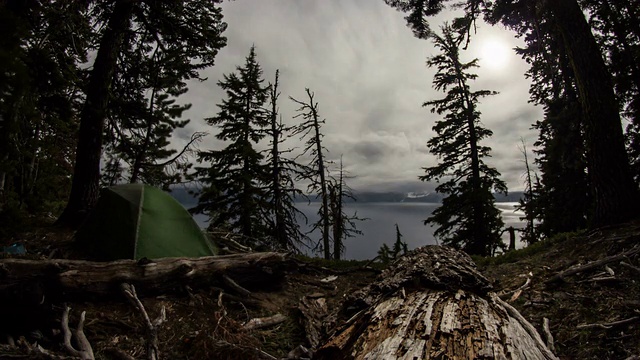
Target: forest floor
{"points": [[592, 314]]}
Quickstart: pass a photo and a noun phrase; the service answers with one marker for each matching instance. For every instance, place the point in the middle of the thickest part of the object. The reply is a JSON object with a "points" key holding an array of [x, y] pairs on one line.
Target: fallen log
{"points": [[65, 278], [431, 303]]}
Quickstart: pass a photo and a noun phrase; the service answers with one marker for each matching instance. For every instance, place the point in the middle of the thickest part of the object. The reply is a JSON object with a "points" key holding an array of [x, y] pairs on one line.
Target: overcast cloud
{"points": [[369, 76]]}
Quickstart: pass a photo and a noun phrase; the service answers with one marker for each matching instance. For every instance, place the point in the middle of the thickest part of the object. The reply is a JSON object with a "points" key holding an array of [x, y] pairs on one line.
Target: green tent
{"points": [[135, 221]]}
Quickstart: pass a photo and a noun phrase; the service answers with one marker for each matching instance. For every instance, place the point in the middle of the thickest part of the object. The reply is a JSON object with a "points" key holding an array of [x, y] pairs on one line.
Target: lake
{"points": [[380, 228]]}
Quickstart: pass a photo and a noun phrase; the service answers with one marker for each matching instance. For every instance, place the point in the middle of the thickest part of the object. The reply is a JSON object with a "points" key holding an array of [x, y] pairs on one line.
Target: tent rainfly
{"points": [[136, 221]]}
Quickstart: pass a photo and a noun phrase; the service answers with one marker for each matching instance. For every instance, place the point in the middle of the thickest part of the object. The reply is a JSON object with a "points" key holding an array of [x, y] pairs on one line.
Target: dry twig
{"points": [[627, 265], [153, 352], [559, 277], [234, 286], [608, 325], [547, 334], [85, 352]]}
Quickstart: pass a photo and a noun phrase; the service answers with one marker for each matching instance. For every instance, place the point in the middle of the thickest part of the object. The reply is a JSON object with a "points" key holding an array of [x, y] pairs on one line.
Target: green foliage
{"points": [[154, 64], [559, 200], [468, 218], [616, 29], [234, 192], [41, 47], [387, 255]]}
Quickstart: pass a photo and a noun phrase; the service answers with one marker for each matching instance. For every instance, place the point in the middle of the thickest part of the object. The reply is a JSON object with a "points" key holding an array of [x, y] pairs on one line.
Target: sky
{"points": [[369, 77]]}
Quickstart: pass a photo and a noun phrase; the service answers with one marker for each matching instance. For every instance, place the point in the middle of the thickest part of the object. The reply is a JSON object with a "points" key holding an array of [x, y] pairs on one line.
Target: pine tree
{"points": [[343, 225], [399, 247], [562, 200], [616, 29], [467, 218], [188, 33], [386, 254], [41, 47], [235, 191], [611, 181], [282, 192], [528, 204], [315, 174]]}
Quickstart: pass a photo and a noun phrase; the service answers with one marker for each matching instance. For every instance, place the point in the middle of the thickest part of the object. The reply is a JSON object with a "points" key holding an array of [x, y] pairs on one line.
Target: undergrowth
{"points": [[530, 250], [340, 264]]}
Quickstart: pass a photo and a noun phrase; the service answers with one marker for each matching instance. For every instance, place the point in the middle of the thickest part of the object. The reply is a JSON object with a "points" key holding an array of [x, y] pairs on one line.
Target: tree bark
{"points": [[432, 303], [86, 175], [79, 278], [323, 180], [612, 184]]}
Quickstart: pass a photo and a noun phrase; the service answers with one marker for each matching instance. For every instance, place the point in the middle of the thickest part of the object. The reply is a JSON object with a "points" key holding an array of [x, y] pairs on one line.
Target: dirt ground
{"points": [[592, 314]]}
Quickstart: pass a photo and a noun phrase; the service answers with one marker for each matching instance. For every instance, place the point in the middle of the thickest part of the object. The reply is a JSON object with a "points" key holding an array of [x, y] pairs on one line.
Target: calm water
{"points": [[380, 228]]}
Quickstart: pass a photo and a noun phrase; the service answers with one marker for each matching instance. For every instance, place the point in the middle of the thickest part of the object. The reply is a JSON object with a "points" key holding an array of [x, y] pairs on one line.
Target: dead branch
{"points": [[153, 352], [629, 266], [599, 279], [608, 325], [592, 265], [247, 301], [547, 334], [258, 323], [85, 352], [527, 326], [227, 243], [235, 287]]}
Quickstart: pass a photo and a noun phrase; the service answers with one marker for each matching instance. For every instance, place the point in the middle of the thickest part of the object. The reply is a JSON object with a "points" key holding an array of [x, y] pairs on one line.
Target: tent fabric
{"points": [[136, 221]]}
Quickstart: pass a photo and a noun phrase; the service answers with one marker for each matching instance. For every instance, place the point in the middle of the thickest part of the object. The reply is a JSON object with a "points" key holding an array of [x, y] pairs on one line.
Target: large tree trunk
{"points": [[612, 184], [78, 278], [432, 303], [86, 174]]}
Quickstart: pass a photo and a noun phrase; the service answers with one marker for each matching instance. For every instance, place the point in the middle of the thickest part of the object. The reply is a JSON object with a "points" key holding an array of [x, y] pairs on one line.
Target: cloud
{"points": [[369, 76]]}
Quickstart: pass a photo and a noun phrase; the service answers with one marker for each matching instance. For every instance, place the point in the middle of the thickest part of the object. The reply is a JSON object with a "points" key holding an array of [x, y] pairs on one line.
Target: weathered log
{"points": [[314, 314], [432, 303], [64, 278]]}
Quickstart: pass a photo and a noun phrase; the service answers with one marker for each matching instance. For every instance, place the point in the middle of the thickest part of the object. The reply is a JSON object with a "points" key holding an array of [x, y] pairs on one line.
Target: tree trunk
{"points": [[323, 181], [612, 184], [78, 278], [86, 175], [280, 226], [432, 303]]}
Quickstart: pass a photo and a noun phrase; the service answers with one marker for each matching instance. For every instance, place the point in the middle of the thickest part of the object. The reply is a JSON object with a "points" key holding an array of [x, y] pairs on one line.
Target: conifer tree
{"points": [[343, 225], [42, 45], [315, 173], [234, 193], [386, 254], [528, 203], [467, 218], [282, 191], [610, 178], [143, 114], [189, 33], [562, 196]]}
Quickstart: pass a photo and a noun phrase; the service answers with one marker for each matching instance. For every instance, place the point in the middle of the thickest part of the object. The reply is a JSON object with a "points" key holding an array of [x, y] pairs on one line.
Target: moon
{"points": [[494, 54]]}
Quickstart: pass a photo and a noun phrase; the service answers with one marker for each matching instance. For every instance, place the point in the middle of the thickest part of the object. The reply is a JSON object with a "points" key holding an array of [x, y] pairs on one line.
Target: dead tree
{"points": [[432, 303]]}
